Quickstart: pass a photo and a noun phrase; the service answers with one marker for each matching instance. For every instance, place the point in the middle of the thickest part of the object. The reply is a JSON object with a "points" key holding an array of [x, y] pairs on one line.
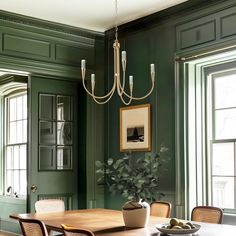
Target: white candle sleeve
{"points": [[152, 68], [92, 81], [83, 64], [131, 80], [123, 55]]}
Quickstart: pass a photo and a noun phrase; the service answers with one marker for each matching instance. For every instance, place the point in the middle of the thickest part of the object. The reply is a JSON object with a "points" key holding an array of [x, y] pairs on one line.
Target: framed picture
{"points": [[135, 128]]}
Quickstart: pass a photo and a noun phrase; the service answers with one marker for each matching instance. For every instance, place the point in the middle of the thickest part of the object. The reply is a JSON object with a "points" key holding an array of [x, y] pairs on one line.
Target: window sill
{"points": [[14, 200], [229, 218]]}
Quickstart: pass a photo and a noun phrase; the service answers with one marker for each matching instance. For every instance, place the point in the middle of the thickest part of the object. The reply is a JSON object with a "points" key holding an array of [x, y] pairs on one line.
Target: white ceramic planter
{"points": [[136, 214]]}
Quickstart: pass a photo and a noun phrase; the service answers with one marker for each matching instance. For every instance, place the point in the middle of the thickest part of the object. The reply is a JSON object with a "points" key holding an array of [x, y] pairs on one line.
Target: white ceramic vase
{"points": [[136, 214]]}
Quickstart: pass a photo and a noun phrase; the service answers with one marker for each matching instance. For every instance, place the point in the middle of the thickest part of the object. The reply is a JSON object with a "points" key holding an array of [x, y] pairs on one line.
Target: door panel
{"points": [[53, 154]]}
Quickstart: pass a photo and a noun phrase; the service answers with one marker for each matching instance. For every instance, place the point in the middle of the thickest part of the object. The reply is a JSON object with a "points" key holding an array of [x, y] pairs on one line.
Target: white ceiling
{"points": [[98, 15]]}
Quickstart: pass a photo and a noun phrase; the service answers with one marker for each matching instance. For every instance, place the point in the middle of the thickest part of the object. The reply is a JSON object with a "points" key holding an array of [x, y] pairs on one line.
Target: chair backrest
{"points": [[160, 209], [31, 227], [207, 214], [72, 231], [49, 205]]}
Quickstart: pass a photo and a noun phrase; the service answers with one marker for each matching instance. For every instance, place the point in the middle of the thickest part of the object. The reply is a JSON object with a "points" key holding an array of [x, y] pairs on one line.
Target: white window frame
{"points": [[191, 112], [7, 144]]}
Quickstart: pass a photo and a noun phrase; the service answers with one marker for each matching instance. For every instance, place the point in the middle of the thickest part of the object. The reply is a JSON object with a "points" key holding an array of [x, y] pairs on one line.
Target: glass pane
{"points": [[12, 132], [16, 158], [19, 107], [24, 131], [63, 108], [225, 87], [9, 182], [12, 108], [64, 158], [47, 132], [23, 156], [9, 158], [23, 182], [223, 192], [25, 106], [47, 107], [223, 159], [64, 133], [225, 124], [19, 131], [16, 183], [47, 158]]}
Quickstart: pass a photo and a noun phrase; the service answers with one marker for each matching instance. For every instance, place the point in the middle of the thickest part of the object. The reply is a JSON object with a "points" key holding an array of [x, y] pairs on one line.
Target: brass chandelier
{"points": [[118, 84]]}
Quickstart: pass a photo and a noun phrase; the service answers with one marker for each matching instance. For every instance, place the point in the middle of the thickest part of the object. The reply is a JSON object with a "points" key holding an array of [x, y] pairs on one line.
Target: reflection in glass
{"points": [[47, 107], [64, 108], [47, 158], [64, 158], [223, 192], [64, 133], [225, 124], [223, 159], [47, 132]]}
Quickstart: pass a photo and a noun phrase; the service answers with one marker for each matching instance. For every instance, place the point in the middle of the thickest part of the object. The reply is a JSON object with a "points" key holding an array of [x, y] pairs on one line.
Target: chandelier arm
{"points": [[99, 97], [126, 103], [140, 98], [107, 100], [121, 87], [123, 83]]}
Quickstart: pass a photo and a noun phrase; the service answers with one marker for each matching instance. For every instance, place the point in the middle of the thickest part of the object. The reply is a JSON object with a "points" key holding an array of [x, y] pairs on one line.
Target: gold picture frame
{"points": [[135, 133]]}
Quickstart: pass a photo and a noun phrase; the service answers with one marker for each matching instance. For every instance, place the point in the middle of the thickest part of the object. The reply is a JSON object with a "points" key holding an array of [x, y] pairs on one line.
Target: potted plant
{"points": [[135, 178]]}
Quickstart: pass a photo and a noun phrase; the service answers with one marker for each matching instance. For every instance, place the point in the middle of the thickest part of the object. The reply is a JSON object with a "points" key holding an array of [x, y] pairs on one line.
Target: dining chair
{"points": [[72, 231], [31, 227], [50, 205], [160, 209], [207, 214]]}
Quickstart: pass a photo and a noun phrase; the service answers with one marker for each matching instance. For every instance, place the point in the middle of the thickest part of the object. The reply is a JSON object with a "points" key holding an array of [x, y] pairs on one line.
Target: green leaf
{"points": [[110, 161], [99, 164]]}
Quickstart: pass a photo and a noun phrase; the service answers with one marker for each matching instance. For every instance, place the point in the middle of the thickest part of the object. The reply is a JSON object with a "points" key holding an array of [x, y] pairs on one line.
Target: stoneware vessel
{"points": [[136, 214]]}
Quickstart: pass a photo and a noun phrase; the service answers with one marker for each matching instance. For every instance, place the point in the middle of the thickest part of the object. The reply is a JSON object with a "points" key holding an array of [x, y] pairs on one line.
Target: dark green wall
{"points": [[148, 46], [189, 28], [49, 50]]}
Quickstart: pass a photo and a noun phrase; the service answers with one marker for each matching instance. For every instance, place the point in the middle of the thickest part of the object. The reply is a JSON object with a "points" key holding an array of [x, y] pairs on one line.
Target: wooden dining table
{"points": [[106, 222]]}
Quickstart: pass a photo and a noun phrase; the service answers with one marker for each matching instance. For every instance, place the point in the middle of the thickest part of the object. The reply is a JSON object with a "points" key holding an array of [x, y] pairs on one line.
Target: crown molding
{"points": [[49, 26]]}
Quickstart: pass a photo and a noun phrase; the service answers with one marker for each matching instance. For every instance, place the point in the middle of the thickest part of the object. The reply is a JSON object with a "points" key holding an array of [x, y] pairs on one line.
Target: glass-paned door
{"points": [[55, 132], [54, 136]]}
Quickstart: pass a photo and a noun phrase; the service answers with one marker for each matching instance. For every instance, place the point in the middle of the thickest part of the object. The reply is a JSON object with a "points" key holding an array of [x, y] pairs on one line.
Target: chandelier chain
{"points": [[116, 23]]}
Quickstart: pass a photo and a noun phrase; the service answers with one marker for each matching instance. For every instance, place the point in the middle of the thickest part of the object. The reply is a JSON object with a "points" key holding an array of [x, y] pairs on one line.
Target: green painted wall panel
{"points": [[69, 54], [198, 34], [32, 46], [228, 25], [42, 42]]}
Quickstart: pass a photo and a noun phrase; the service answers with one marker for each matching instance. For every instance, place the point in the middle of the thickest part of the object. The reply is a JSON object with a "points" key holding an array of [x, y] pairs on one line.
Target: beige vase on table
{"points": [[136, 214]]}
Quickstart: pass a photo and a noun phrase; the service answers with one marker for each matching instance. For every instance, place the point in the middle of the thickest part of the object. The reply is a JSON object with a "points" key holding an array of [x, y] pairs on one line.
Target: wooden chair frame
{"points": [[168, 204], [208, 209], [33, 221]]}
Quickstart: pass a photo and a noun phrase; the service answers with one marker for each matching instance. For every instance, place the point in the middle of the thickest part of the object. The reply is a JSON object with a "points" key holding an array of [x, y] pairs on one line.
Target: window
{"points": [[15, 144], [223, 143], [206, 133]]}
